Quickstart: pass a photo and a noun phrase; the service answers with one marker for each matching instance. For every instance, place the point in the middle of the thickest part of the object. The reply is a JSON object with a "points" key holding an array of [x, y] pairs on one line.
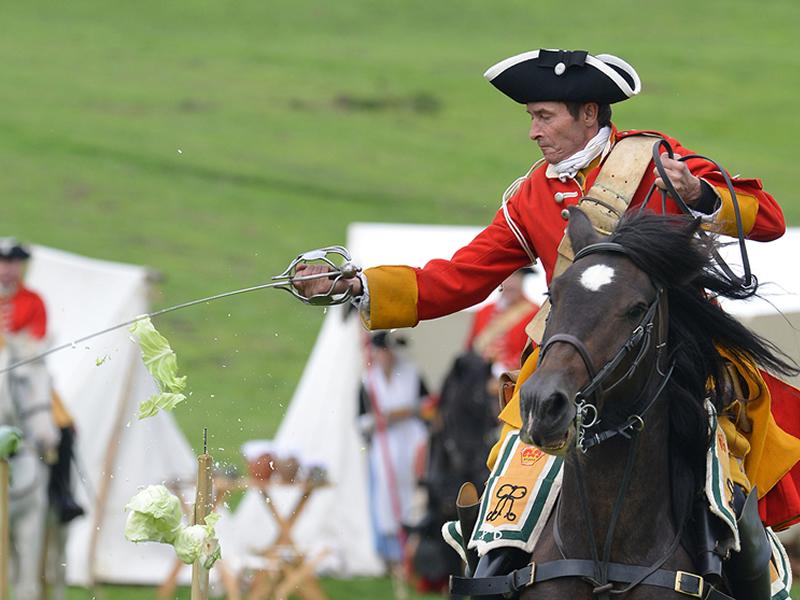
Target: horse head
{"points": [[604, 335], [26, 396]]}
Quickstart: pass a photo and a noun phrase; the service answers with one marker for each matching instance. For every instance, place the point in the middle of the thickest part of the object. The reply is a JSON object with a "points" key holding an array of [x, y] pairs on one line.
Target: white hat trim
{"points": [[495, 70], [618, 62], [598, 62]]}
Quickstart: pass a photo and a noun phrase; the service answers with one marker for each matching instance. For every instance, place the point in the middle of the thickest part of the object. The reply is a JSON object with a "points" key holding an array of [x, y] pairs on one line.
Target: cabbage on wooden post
{"points": [[155, 516]]}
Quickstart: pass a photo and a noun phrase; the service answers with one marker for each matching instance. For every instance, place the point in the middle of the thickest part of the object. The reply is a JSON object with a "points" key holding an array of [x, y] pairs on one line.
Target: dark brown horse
{"points": [[626, 357]]}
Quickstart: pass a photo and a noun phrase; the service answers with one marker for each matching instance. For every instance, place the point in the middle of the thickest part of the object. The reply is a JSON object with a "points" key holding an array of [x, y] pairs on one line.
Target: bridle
{"points": [[650, 335], [650, 332], [20, 416]]}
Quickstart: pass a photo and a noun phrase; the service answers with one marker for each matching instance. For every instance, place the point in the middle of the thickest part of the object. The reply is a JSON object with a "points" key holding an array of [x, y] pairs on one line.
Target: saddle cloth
{"points": [[525, 483]]}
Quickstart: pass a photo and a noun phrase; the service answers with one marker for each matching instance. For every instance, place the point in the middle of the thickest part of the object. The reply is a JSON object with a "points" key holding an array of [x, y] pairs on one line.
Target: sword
{"points": [[337, 258]]}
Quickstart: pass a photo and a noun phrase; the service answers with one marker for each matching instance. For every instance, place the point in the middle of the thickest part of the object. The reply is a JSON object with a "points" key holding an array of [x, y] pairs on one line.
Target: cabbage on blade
{"points": [[156, 402]]}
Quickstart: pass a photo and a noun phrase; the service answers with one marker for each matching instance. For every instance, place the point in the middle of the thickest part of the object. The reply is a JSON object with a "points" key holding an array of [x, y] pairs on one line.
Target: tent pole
{"points": [[112, 450]]}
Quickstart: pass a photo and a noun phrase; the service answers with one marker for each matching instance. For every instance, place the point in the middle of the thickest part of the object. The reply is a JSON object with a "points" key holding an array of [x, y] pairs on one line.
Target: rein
{"points": [[747, 283]]}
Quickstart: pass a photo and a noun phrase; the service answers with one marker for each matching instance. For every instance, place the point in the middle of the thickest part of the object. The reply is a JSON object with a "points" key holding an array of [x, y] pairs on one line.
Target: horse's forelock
{"points": [[664, 247]]}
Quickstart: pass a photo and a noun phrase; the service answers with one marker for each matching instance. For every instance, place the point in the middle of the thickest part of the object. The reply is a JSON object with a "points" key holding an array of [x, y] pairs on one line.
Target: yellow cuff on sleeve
{"points": [[392, 297], [726, 219]]}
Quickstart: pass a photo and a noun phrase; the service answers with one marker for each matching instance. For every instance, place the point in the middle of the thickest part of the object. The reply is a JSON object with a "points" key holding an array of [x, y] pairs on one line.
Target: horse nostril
{"points": [[555, 405]]}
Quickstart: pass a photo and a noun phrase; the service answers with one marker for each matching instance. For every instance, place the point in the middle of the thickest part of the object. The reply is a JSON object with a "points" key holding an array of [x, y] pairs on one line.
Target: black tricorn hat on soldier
{"points": [[387, 340], [12, 249], [564, 76]]}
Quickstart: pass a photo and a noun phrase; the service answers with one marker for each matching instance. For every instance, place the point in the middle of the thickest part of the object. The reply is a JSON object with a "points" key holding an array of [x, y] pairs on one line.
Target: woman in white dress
{"points": [[391, 395]]}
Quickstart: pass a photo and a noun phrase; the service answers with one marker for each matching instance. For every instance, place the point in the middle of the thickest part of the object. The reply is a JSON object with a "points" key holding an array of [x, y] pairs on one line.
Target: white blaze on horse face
{"points": [[596, 277]]}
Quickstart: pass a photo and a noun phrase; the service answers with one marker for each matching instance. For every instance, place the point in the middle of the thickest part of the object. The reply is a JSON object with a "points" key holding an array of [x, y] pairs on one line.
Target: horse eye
{"points": [[636, 312]]}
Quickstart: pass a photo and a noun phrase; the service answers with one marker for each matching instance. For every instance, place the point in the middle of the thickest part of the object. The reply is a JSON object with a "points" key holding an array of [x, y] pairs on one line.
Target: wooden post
{"points": [[203, 505], [10, 438], [4, 535]]}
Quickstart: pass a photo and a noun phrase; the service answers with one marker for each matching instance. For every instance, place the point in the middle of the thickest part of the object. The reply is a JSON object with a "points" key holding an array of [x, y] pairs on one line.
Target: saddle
{"points": [[505, 525]]}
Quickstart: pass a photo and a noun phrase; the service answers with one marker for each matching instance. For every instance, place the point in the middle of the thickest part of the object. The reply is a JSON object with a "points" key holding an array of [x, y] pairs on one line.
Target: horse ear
{"points": [[580, 230]]}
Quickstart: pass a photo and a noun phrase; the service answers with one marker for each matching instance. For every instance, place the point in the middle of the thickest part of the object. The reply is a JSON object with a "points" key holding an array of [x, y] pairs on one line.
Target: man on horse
{"points": [[568, 95], [22, 312]]}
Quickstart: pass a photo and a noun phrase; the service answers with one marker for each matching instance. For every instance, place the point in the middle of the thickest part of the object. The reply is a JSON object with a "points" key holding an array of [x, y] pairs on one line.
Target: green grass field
{"points": [[213, 140], [360, 588]]}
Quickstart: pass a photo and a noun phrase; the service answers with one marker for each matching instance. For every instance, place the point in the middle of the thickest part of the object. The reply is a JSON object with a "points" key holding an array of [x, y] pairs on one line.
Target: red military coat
{"points": [[498, 333], [402, 296], [24, 312]]}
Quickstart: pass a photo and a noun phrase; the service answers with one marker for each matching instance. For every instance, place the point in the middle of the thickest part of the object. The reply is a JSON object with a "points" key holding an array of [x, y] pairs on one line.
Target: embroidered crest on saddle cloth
{"points": [[519, 496]]}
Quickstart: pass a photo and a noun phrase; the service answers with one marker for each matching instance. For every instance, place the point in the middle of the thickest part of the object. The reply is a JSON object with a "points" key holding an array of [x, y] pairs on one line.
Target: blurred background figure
{"points": [[391, 399], [23, 313], [463, 431], [498, 331], [466, 426]]}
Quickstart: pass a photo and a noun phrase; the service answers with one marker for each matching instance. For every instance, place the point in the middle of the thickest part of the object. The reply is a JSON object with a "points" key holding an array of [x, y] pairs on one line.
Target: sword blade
{"points": [[163, 311]]}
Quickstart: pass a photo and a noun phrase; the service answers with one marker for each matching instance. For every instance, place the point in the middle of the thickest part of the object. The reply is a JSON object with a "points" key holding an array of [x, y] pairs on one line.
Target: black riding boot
{"points": [[748, 571], [710, 539], [60, 491]]}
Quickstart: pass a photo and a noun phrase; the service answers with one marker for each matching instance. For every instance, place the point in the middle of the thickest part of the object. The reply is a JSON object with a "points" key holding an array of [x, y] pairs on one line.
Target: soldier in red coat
{"points": [[498, 329], [22, 312], [568, 97]]}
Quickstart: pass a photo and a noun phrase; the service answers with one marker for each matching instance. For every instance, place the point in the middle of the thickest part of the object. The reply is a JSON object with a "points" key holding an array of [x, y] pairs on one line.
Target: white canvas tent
{"points": [[118, 452], [320, 422]]}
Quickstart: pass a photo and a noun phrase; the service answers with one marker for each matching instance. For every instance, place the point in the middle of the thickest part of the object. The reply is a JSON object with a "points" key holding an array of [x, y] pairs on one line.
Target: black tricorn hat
{"points": [[11, 249], [564, 76], [383, 339]]}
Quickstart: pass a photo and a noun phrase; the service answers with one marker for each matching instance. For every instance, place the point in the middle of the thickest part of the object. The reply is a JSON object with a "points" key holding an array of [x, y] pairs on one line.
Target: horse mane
{"points": [[669, 249]]}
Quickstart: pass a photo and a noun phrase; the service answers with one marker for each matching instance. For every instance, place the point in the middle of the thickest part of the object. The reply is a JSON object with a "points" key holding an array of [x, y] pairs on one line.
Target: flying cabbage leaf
{"points": [[160, 360], [155, 516], [156, 402]]}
